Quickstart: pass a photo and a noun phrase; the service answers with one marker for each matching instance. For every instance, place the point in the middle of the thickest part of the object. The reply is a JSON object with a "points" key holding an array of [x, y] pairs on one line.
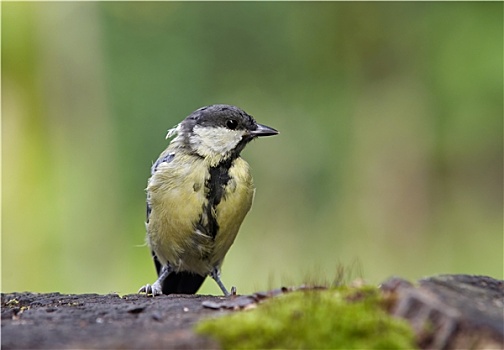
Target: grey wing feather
{"points": [[163, 158]]}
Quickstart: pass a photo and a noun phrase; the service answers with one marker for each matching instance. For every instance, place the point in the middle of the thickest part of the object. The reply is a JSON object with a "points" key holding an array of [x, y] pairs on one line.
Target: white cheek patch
{"points": [[209, 141]]}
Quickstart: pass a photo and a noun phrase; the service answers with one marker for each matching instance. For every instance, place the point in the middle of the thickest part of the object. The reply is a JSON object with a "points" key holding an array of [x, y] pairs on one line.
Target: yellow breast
{"points": [[233, 207], [177, 196]]}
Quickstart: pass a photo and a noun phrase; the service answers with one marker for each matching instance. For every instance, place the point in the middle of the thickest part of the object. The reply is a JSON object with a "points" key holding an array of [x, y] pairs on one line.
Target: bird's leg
{"points": [[156, 288], [215, 274]]}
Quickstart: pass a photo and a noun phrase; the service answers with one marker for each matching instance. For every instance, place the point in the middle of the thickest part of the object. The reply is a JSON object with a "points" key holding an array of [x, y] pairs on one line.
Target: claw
{"points": [[156, 288], [153, 290]]}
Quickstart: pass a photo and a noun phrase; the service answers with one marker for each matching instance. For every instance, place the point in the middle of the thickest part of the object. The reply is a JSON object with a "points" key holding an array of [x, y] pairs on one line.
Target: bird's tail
{"points": [[182, 283]]}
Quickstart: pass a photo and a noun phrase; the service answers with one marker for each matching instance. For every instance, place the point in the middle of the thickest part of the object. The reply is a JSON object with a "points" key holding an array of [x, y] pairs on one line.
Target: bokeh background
{"points": [[389, 161]]}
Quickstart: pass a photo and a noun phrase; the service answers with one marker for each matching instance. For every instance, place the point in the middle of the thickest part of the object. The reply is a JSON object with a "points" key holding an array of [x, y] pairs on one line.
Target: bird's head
{"points": [[218, 132]]}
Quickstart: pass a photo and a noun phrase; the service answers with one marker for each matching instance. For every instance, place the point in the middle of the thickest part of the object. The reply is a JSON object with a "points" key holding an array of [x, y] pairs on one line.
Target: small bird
{"points": [[198, 194]]}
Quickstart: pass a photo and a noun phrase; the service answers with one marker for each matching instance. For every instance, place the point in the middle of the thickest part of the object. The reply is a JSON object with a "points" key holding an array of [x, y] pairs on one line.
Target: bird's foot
{"points": [[156, 288], [151, 290]]}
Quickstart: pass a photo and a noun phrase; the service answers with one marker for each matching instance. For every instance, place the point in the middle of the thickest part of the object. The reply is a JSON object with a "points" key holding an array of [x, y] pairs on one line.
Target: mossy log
{"points": [[444, 312]]}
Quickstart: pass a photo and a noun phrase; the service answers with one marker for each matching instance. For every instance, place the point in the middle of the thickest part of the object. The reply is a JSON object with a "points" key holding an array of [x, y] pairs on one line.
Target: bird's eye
{"points": [[231, 124]]}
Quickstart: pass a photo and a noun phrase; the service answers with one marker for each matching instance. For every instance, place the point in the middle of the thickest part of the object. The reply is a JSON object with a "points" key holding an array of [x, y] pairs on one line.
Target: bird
{"points": [[198, 194]]}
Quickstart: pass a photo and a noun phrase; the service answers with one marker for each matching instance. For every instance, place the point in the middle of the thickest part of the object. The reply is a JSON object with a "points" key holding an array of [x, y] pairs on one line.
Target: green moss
{"points": [[323, 319]]}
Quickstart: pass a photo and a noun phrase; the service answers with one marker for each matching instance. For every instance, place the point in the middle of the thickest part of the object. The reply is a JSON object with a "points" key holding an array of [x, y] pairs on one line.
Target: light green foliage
{"points": [[329, 319], [390, 145]]}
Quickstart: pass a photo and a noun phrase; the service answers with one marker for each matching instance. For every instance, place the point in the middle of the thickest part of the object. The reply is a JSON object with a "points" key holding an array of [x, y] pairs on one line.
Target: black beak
{"points": [[263, 130]]}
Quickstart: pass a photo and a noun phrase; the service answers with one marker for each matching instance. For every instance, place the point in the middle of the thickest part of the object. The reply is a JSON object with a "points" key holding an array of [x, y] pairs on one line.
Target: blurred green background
{"points": [[389, 161]]}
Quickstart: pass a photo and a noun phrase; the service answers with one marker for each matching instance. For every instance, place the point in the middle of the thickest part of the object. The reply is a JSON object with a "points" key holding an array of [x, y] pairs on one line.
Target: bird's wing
{"points": [[165, 157], [176, 282]]}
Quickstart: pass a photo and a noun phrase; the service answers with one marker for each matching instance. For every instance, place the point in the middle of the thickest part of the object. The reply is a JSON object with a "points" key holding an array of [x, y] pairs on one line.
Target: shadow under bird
{"points": [[198, 194]]}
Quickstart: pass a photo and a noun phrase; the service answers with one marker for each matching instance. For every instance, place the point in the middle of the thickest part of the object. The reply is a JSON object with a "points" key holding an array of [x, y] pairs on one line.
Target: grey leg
{"points": [[215, 274]]}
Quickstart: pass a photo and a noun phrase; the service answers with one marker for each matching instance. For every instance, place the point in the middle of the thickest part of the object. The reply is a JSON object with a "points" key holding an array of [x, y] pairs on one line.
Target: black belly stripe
{"points": [[219, 178]]}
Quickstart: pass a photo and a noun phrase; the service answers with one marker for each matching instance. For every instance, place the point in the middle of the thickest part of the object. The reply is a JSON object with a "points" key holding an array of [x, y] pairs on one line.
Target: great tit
{"points": [[198, 194]]}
